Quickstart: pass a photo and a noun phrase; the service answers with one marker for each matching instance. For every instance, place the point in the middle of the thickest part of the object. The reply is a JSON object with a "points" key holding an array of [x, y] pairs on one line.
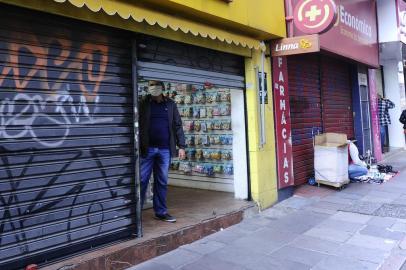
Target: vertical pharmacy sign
{"points": [[282, 122]]}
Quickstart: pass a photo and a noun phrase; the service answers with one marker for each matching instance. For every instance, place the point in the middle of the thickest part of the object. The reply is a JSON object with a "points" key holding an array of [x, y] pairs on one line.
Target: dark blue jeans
{"points": [[156, 161], [383, 136]]}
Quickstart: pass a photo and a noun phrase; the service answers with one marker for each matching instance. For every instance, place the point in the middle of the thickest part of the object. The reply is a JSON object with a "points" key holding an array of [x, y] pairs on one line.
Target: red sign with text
{"points": [[354, 32], [282, 122]]}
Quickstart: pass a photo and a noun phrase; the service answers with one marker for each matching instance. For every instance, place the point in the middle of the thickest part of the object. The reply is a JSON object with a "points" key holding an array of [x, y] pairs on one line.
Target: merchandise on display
{"points": [[206, 117]]}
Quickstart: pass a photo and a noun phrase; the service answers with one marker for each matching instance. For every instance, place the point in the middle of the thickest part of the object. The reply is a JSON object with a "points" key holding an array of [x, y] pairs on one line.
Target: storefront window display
{"points": [[206, 112]]}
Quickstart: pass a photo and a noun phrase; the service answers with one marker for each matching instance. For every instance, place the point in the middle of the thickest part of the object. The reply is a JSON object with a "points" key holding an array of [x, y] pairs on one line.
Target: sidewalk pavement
{"points": [[360, 227]]}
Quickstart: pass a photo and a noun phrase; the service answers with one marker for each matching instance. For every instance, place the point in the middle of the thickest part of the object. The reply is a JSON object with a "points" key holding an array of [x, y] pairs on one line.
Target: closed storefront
{"points": [[320, 101], [325, 93], [67, 152]]}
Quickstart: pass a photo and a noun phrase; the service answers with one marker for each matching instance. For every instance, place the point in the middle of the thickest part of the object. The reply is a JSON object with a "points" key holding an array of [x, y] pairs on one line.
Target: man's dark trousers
{"points": [[157, 161]]}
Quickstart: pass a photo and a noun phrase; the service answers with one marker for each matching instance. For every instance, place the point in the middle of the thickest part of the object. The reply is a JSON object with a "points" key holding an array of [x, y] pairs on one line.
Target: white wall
{"points": [[395, 91], [387, 23]]}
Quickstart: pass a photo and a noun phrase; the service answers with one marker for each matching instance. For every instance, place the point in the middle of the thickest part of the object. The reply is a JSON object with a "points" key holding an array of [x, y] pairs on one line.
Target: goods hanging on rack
{"points": [[206, 115]]}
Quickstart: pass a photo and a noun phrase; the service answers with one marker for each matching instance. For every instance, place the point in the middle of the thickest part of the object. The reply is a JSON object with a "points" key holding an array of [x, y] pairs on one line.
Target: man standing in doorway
{"points": [[384, 119], [160, 132]]}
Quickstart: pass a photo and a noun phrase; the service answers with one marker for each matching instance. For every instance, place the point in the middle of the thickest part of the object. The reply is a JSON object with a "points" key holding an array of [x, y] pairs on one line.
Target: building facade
{"points": [[71, 75], [328, 84], [392, 38]]}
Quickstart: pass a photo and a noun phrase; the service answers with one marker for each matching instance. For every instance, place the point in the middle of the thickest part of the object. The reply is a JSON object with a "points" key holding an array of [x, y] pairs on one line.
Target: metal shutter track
{"points": [[66, 173]]}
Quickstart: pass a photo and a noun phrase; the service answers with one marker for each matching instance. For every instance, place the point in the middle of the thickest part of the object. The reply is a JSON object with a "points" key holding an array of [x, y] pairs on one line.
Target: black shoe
{"points": [[165, 217]]}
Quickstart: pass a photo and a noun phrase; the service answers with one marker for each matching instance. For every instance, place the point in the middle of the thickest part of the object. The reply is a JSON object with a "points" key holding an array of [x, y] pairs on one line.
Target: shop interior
{"points": [[212, 180]]}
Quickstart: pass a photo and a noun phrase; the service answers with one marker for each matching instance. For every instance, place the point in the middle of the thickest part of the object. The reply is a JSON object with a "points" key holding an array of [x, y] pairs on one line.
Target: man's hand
{"points": [[182, 154]]}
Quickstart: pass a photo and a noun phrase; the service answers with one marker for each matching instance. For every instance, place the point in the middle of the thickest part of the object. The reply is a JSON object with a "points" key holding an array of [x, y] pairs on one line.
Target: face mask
{"points": [[155, 90]]}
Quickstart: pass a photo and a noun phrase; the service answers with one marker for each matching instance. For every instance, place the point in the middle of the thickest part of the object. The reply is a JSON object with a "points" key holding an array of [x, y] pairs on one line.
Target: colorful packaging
{"points": [[199, 154], [191, 154], [226, 155], [188, 99], [206, 154], [196, 112], [205, 140], [198, 140], [198, 168], [203, 113], [210, 112], [226, 125], [186, 167], [225, 96], [218, 168], [197, 126], [228, 169], [190, 140], [188, 125], [216, 155], [225, 110], [209, 169]]}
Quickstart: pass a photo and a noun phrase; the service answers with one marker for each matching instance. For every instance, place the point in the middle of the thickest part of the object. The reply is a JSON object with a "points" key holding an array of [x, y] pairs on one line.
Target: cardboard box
{"points": [[331, 159]]}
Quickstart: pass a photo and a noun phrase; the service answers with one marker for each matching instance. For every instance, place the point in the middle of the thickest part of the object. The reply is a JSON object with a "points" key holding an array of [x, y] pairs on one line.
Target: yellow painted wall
{"points": [[262, 161], [268, 16]]}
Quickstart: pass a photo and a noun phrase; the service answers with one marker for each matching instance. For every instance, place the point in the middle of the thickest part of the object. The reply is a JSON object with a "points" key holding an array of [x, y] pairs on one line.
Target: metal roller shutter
{"points": [[67, 141], [305, 109], [336, 96]]}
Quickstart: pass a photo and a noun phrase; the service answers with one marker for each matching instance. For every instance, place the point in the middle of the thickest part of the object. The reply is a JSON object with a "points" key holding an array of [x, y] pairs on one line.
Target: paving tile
{"points": [[382, 232], [276, 212], [362, 253], [299, 255], [351, 217], [329, 234], [247, 227], [385, 222], [226, 236], [238, 254], [299, 222], [315, 244], [296, 202], [340, 225], [368, 241], [209, 262], [203, 246], [271, 263], [341, 263], [266, 240], [150, 265], [177, 258]]}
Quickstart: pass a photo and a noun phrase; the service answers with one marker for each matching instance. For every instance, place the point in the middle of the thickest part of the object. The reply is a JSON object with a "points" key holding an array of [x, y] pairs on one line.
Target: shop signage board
{"points": [[282, 121], [295, 45], [354, 32], [315, 17], [401, 8]]}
